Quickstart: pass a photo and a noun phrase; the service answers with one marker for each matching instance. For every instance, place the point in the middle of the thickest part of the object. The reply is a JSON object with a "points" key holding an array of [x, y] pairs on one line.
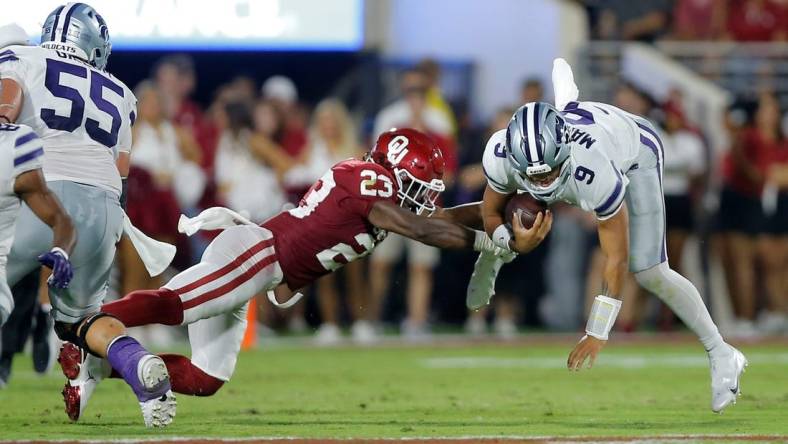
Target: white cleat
{"points": [[481, 286], [159, 411], [726, 369]]}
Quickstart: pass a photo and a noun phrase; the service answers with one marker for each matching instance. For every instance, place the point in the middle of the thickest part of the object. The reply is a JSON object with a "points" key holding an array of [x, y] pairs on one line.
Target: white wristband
{"points": [[59, 250], [602, 317], [501, 236]]}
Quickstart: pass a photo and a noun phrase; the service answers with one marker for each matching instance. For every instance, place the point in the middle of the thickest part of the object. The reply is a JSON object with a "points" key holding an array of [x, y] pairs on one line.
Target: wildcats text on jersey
{"points": [[82, 114]]}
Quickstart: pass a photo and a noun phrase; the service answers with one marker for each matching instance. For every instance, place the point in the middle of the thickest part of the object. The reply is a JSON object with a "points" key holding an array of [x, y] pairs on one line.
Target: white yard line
{"points": [[697, 360]]}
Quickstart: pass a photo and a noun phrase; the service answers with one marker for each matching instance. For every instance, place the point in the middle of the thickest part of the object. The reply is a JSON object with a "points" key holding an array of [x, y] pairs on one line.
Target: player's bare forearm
{"points": [[123, 163], [10, 100], [469, 214], [493, 205], [614, 241], [438, 232], [32, 189]]}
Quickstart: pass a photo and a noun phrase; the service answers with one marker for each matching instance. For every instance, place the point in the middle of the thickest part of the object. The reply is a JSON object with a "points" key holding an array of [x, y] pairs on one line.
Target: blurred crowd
{"points": [[650, 20], [256, 148]]}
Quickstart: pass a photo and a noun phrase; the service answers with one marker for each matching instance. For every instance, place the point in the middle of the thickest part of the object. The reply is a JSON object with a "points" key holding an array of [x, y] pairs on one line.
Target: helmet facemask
{"points": [[548, 182], [415, 194], [538, 150]]}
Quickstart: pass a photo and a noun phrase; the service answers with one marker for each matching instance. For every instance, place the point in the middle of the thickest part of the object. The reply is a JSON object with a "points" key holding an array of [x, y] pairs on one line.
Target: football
{"points": [[526, 206]]}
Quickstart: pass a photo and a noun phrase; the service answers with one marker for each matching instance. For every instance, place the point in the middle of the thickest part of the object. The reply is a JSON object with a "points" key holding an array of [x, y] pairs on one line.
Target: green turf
{"points": [[410, 392]]}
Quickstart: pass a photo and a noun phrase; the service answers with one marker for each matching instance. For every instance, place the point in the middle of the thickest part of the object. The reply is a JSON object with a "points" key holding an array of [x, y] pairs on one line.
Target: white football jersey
{"points": [[604, 142], [20, 151], [82, 114]]}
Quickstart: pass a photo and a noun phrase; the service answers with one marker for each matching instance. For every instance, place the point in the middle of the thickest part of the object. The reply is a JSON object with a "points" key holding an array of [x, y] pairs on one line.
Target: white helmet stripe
{"points": [[61, 18], [529, 119]]}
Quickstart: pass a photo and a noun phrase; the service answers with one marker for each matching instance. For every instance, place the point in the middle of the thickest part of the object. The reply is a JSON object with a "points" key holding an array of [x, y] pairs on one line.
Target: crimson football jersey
{"points": [[329, 228]]}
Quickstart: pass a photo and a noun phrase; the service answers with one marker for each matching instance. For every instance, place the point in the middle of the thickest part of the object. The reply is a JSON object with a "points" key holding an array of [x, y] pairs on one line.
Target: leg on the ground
{"points": [[212, 298], [648, 260], [215, 343], [683, 299]]}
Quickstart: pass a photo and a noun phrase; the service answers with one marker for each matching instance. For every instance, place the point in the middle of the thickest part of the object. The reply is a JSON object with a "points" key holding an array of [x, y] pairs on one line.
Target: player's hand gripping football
{"points": [[526, 239], [587, 348]]}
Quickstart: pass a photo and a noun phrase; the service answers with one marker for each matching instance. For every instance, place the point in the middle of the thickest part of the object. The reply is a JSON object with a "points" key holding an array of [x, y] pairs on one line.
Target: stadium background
{"points": [[690, 60], [713, 74]]}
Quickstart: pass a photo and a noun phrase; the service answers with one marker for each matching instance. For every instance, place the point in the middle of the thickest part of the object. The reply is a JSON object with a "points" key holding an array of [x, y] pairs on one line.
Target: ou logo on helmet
{"points": [[398, 149]]}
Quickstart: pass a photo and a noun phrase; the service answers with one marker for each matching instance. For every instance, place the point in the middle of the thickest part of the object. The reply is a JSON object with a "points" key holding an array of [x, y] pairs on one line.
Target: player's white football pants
{"points": [[237, 265], [647, 251]]}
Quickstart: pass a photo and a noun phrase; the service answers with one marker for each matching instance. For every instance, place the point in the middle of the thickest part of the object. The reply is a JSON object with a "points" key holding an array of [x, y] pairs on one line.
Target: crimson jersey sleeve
{"points": [[363, 184], [330, 227]]}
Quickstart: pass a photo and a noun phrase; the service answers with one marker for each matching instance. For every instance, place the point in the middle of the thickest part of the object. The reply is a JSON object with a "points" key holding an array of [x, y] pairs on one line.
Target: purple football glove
{"points": [[57, 260]]}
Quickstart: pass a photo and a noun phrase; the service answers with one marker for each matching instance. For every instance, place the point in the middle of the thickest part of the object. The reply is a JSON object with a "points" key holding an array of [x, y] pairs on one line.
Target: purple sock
{"points": [[124, 355]]}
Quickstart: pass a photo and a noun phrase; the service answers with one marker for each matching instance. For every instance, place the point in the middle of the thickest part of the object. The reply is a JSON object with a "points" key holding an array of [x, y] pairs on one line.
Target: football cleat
{"points": [[160, 410], [84, 372], [481, 286], [727, 367]]}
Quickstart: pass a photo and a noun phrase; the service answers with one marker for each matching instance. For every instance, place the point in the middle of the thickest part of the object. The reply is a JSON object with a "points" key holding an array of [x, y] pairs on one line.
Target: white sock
{"points": [[683, 298]]}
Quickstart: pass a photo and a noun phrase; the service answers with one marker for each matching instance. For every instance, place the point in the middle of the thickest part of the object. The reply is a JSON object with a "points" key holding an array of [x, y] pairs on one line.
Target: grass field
{"points": [[450, 390]]}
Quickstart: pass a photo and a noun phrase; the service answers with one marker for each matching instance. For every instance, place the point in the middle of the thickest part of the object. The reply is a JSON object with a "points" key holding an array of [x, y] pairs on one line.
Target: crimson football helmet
{"points": [[417, 164]]}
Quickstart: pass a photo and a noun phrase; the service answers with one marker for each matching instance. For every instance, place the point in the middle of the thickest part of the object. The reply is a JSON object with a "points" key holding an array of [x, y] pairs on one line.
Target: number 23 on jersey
{"points": [[370, 181], [372, 184]]}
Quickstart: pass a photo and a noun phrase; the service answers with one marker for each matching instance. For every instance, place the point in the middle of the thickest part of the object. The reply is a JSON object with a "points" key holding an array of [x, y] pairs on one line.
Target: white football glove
{"points": [[483, 244]]}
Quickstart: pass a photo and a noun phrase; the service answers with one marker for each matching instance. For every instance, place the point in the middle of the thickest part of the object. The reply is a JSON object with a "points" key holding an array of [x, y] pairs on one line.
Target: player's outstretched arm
{"points": [[469, 214], [31, 188], [10, 100], [438, 232], [614, 241]]}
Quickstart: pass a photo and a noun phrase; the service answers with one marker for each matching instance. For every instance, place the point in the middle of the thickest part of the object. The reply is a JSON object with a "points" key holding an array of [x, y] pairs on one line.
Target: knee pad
{"points": [[77, 332]]}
